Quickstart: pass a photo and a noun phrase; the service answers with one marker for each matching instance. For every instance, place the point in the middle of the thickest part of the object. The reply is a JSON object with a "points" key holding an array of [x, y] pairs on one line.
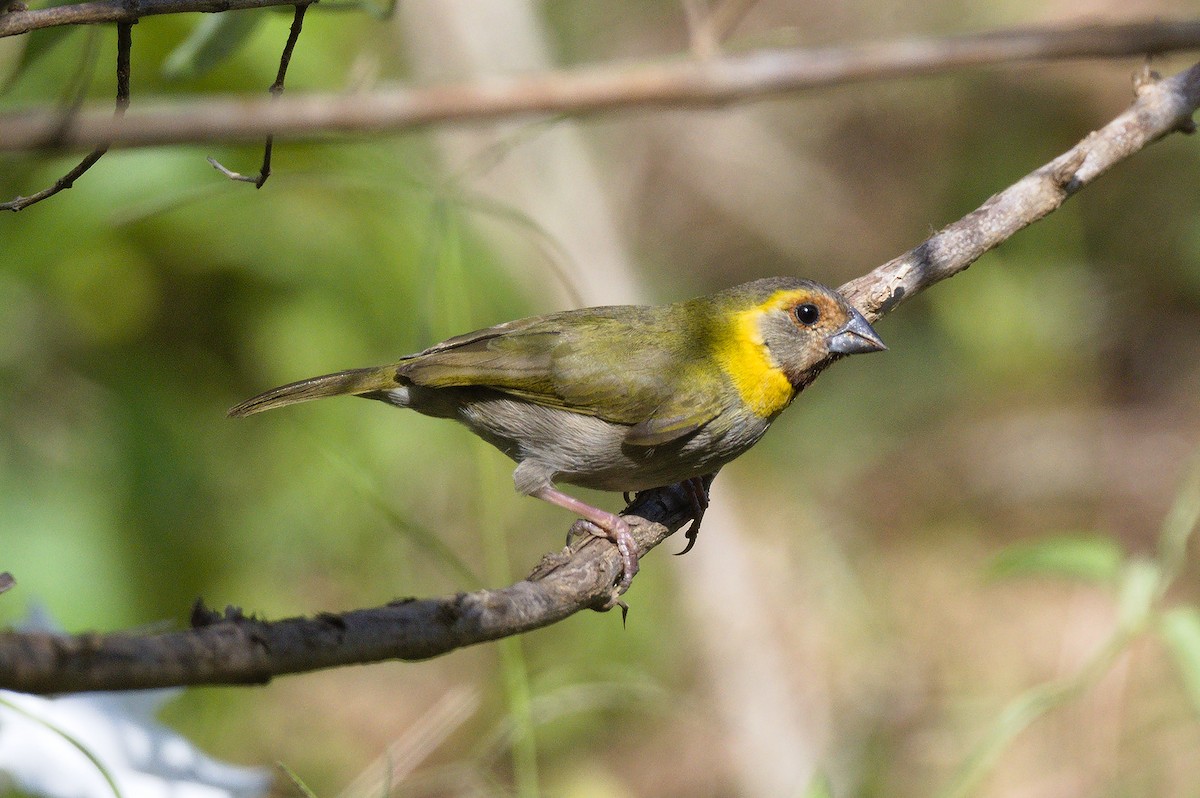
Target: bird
{"points": [[619, 398]]}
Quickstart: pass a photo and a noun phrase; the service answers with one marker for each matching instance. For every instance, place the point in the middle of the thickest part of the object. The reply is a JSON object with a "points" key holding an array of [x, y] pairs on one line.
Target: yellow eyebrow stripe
{"points": [[743, 356]]}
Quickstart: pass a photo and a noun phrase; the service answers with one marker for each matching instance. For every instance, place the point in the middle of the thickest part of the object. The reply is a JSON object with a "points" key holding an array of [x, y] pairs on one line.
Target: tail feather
{"points": [[354, 382]]}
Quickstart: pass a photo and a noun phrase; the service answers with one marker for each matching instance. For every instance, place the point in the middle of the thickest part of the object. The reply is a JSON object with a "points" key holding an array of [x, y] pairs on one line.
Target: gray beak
{"points": [[857, 336]]}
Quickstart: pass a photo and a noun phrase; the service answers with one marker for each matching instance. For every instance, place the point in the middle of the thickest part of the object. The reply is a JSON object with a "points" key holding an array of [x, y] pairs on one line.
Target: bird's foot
{"points": [[627, 546]]}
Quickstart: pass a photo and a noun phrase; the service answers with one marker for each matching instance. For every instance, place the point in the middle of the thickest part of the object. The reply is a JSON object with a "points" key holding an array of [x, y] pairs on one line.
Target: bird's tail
{"points": [[354, 382]]}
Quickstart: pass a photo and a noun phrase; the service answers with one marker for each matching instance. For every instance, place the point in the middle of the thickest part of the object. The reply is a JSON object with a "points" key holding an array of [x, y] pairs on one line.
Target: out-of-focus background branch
{"points": [[850, 628], [713, 80]]}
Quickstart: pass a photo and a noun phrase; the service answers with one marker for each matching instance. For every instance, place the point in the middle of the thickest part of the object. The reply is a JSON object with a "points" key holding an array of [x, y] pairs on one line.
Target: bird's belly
{"points": [[551, 444]]}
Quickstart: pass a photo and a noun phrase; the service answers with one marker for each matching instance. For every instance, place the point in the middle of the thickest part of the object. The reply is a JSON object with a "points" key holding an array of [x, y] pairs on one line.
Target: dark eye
{"points": [[808, 314]]}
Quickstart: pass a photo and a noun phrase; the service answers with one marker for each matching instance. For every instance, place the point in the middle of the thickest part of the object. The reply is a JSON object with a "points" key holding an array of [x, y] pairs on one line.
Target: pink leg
{"points": [[610, 526]]}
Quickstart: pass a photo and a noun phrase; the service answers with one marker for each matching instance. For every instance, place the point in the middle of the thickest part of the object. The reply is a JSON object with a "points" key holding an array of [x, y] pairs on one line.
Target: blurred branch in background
{"points": [[672, 83], [256, 650]]}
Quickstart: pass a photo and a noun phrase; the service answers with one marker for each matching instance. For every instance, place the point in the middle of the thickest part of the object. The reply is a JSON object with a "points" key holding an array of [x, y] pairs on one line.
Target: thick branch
{"points": [[235, 649], [675, 83]]}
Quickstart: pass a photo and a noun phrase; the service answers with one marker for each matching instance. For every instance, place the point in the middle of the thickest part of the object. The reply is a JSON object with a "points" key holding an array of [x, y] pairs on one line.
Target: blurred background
{"points": [[846, 616]]}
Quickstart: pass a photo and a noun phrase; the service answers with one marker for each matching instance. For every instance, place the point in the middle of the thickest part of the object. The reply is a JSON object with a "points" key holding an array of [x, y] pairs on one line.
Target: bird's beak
{"points": [[857, 336]]}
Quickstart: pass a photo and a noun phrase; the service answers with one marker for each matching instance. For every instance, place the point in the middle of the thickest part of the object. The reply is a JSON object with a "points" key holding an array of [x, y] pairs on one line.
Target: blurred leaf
{"points": [[215, 38], [380, 11], [1093, 558], [819, 788], [1140, 586], [1180, 629], [1180, 523], [295, 779], [1016, 717], [37, 44]]}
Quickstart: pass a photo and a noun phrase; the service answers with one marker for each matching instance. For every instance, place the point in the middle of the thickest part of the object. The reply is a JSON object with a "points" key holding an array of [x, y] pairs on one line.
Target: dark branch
{"points": [[276, 89], [14, 23], [124, 46]]}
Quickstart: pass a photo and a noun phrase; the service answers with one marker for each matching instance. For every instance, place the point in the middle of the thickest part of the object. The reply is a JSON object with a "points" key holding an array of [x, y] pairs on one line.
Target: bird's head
{"points": [[781, 332]]}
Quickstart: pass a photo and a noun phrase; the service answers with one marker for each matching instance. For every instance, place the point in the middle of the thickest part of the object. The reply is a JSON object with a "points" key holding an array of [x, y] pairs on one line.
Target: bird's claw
{"points": [[698, 494]]}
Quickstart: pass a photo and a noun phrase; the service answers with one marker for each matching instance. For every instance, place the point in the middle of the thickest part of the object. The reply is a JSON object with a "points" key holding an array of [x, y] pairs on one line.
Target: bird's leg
{"points": [[608, 525], [698, 493]]}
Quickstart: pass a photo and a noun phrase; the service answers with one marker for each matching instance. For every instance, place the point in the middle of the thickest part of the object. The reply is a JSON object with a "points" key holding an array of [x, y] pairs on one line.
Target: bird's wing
{"points": [[622, 364]]}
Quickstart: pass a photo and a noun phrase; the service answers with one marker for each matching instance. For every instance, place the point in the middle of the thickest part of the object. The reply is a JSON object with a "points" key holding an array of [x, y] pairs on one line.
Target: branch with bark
{"points": [[231, 648]]}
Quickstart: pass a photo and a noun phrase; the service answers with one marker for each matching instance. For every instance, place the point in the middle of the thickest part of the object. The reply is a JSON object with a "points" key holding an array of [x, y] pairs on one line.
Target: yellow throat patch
{"points": [[742, 355]]}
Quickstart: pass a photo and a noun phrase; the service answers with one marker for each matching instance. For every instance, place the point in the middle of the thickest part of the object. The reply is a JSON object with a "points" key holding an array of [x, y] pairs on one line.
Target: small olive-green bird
{"points": [[620, 398]]}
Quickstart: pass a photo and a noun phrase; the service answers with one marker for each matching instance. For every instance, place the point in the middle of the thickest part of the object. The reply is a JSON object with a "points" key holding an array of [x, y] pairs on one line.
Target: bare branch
{"points": [[275, 90], [16, 22], [1162, 107], [124, 46], [674, 83], [235, 649]]}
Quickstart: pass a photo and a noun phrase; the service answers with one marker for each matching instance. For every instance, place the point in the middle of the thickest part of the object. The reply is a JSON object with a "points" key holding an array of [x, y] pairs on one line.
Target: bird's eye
{"points": [[808, 314]]}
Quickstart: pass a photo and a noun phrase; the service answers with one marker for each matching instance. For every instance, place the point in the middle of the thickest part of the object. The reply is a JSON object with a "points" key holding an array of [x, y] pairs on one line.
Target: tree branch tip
{"points": [[1145, 78], [7, 582], [257, 180]]}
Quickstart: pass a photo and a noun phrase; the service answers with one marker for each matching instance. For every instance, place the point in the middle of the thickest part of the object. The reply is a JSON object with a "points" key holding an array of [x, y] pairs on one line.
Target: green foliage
{"points": [[215, 38], [1092, 558], [39, 43], [1180, 630], [1139, 595], [304, 789]]}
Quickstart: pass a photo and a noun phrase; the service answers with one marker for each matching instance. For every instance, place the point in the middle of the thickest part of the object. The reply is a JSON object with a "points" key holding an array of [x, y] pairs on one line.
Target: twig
{"points": [[275, 90], [1162, 107], [673, 83], [235, 649], [124, 46]]}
